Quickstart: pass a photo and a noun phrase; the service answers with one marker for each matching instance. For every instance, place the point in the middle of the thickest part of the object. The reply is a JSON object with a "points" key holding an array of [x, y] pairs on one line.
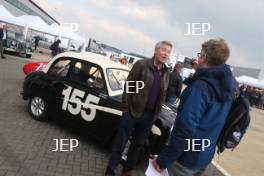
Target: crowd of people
{"points": [[123, 60], [254, 95]]}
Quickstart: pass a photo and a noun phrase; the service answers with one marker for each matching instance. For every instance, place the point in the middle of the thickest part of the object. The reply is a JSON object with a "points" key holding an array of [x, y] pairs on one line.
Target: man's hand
{"points": [[194, 64], [155, 165]]}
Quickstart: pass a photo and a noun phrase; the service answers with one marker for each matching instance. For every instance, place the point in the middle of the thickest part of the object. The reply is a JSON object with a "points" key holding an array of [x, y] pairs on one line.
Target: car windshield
{"points": [[11, 34], [15, 36], [116, 77]]}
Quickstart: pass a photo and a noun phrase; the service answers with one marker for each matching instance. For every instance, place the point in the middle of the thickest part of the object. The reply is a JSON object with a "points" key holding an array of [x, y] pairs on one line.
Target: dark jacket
{"points": [[202, 112], [55, 49], [175, 85], [143, 70], [1, 33]]}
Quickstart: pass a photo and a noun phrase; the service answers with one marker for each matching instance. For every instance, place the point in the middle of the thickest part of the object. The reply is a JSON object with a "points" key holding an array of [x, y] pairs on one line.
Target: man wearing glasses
{"points": [[202, 112]]}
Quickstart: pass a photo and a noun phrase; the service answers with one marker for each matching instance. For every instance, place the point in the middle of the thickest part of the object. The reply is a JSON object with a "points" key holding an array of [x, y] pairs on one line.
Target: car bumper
{"points": [[10, 49]]}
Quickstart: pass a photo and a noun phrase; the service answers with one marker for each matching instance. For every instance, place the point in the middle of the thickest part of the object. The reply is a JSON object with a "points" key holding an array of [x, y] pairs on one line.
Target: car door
{"points": [[85, 97], [57, 79]]}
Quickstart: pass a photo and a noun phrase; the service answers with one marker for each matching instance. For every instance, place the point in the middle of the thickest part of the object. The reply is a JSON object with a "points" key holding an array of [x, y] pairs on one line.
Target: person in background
{"points": [[255, 95], [251, 96], [202, 113], [55, 48], [140, 109], [36, 42], [262, 100], [124, 60], [2, 40], [175, 84], [112, 57], [259, 99], [242, 90], [247, 93]]}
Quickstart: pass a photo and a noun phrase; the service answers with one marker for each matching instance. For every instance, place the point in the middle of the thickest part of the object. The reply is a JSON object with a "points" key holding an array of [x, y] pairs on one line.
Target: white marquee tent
{"points": [[36, 23], [250, 81]]}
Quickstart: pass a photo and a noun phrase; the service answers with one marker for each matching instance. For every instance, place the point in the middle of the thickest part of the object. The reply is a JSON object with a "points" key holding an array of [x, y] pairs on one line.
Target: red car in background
{"points": [[33, 66]]}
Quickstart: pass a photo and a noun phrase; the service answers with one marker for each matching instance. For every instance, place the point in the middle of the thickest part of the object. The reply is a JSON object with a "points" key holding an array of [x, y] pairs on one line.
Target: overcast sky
{"points": [[135, 26]]}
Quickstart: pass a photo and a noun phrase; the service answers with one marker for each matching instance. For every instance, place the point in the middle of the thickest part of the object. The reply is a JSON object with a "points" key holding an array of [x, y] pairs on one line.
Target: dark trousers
{"points": [[2, 48], [138, 129]]}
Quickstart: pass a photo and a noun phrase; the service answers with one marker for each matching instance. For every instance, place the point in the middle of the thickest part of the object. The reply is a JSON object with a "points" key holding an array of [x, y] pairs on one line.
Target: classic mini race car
{"points": [[87, 86]]}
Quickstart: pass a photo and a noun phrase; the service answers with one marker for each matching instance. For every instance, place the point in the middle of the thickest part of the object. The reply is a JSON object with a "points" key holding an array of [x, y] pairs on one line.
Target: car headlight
{"points": [[13, 43]]}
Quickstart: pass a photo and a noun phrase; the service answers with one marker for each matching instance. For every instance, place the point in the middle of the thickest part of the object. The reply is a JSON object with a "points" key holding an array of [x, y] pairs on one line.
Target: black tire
{"points": [[28, 55], [38, 107]]}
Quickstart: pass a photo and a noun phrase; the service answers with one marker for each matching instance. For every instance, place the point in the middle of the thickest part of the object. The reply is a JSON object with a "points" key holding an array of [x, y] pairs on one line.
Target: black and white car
{"points": [[86, 86]]}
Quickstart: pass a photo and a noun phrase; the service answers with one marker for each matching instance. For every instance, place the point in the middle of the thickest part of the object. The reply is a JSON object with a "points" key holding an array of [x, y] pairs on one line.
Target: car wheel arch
{"points": [[39, 89]]}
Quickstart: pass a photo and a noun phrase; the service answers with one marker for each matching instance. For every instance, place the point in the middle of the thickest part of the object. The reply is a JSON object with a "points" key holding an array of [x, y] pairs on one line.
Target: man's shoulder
{"points": [[144, 61], [201, 86], [177, 75]]}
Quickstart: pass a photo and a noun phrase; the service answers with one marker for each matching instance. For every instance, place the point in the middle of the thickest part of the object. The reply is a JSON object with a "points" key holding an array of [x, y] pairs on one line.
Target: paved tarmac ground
{"points": [[26, 144], [248, 158]]}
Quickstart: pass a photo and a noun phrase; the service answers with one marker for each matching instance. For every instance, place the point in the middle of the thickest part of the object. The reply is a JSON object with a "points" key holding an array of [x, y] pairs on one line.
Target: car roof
{"points": [[98, 59], [102, 61]]}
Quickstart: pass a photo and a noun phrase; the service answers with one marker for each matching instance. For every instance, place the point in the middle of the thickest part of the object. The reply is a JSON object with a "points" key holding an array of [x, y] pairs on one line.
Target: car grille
{"points": [[11, 44]]}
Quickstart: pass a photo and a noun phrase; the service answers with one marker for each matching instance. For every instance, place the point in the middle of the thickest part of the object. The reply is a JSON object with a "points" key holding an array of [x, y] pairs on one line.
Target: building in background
{"points": [[252, 72], [237, 71], [261, 74], [27, 7]]}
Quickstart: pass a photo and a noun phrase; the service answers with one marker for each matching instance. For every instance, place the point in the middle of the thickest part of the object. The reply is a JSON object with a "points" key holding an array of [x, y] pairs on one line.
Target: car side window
{"points": [[87, 74], [60, 68]]}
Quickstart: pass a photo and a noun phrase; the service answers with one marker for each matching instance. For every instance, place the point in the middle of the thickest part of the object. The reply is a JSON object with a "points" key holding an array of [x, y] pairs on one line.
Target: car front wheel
{"points": [[38, 107]]}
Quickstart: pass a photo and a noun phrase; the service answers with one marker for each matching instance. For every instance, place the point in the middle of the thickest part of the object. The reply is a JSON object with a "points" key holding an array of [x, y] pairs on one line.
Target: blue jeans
{"points": [[138, 129]]}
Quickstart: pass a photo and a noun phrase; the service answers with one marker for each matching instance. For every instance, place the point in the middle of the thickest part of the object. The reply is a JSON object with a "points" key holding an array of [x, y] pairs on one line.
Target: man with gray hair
{"points": [[2, 40], [140, 109]]}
